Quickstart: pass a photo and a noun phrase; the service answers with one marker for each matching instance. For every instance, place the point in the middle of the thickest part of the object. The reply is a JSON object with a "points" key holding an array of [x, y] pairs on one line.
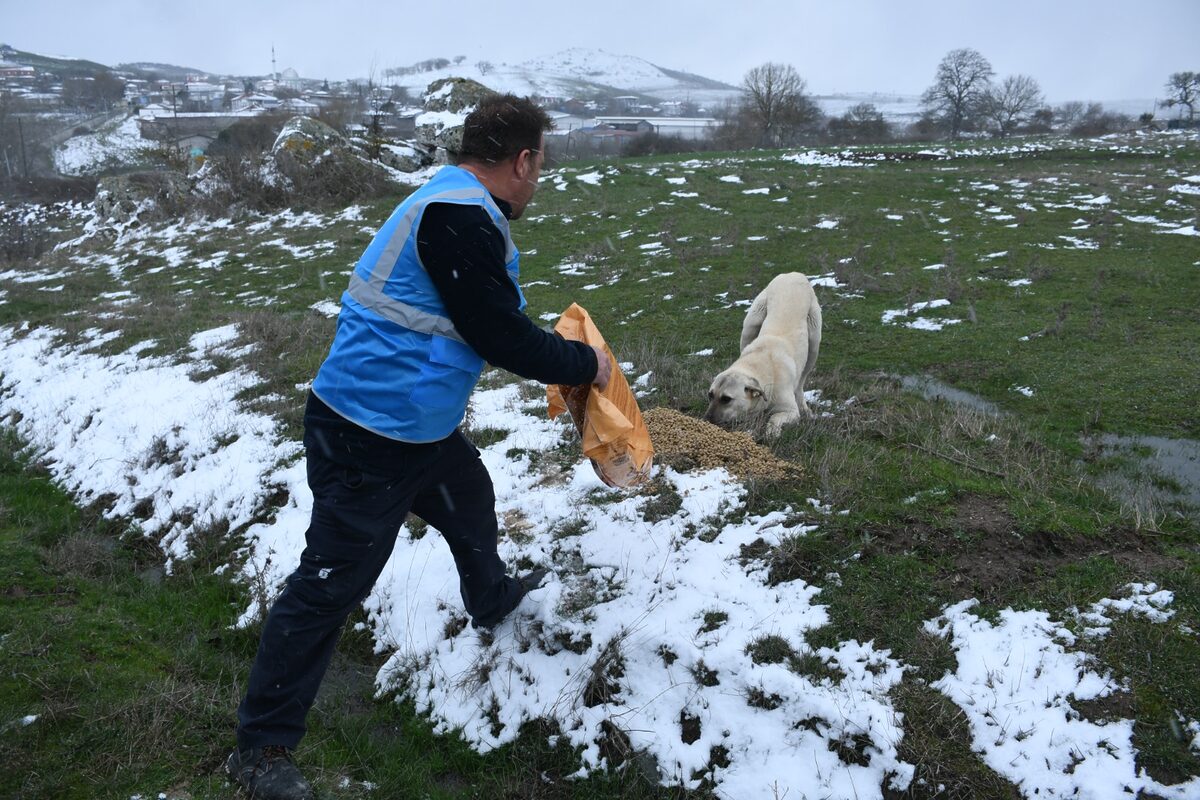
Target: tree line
{"points": [[964, 98]]}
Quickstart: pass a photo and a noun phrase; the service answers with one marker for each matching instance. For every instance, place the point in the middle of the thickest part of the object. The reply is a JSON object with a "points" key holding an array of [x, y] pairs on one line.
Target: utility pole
{"points": [[174, 134], [21, 136]]}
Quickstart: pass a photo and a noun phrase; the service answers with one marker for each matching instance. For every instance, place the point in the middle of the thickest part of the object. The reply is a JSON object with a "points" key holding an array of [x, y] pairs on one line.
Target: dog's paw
{"points": [[773, 428], [776, 422]]}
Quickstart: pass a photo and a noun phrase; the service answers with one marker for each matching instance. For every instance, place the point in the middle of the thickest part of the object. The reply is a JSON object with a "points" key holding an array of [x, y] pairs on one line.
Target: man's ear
{"points": [[523, 164]]}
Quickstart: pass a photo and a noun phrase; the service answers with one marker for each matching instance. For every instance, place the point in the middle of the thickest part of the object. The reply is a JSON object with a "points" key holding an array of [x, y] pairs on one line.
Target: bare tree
{"points": [[800, 117], [959, 84], [98, 91], [339, 112], [735, 128], [1012, 102], [10, 159], [1068, 115], [400, 95], [861, 123], [775, 96], [1041, 120], [1184, 90], [1095, 121]]}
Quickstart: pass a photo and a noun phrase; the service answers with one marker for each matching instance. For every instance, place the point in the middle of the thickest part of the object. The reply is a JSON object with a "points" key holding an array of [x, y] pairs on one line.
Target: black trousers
{"points": [[363, 486]]}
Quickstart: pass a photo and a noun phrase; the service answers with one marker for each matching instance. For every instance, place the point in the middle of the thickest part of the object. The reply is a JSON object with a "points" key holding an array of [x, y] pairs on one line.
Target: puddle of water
{"points": [[1177, 459], [933, 389]]}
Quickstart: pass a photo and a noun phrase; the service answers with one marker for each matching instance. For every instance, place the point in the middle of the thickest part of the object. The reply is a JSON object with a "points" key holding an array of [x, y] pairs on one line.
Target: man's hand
{"points": [[603, 368]]}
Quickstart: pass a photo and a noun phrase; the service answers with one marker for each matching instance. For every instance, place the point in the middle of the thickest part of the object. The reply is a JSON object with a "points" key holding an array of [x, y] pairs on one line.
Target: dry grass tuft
{"points": [[83, 555], [677, 436]]}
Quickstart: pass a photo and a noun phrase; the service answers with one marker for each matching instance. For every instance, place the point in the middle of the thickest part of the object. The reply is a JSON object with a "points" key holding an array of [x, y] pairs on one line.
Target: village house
{"points": [[203, 96], [565, 123], [10, 71], [604, 138], [624, 103], [36, 100], [189, 131], [254, 100], [324, 99], [689, 128], [296, 105]]}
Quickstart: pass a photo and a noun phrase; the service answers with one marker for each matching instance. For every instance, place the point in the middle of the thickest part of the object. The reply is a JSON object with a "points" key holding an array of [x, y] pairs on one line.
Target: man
{"points": [[433, 297]]}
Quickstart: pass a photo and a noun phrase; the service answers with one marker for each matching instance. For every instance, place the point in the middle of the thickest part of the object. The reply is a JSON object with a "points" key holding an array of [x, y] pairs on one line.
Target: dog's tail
{"points": [[814, 339]]}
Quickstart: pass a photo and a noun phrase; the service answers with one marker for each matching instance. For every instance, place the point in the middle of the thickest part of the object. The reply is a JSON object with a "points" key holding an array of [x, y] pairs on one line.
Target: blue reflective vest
{"points": [[397, 365]]}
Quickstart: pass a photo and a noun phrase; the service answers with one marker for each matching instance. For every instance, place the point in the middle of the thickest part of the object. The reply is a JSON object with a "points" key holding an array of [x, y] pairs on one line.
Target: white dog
{"points": [[780, 339]]}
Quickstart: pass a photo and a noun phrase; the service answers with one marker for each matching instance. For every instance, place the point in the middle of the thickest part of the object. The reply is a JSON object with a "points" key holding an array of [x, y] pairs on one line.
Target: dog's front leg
{"points": [[802, 403], [777, 420]]}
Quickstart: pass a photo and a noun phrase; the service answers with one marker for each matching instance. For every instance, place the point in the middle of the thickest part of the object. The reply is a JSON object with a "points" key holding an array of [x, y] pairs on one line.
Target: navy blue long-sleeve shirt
{"points": [[463, 253]]}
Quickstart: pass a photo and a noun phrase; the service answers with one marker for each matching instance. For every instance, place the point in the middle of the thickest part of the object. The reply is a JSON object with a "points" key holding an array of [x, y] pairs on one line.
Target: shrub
{"points": [[23, 237]]}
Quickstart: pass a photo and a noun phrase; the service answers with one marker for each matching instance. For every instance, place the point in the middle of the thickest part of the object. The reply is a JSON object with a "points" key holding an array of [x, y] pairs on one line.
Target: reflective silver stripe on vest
{"points": [[401, 313], [370, 292], [382, 268]]}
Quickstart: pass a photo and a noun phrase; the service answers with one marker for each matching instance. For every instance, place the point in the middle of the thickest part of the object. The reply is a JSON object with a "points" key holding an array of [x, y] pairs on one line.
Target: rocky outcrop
{"points": [[121, 199], [312, 160], [308, 162], [407, 157], [456, 95], [448, 101], [304, 142]]}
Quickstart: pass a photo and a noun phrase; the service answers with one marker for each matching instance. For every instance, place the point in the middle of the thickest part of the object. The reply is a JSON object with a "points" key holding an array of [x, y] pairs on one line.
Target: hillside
{"points": [[576, 72], [150, 70], [60, 66]]}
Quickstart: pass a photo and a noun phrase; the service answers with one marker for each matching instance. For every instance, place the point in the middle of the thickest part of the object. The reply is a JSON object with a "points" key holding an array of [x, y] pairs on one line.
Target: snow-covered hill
{"points": [[577, 72]]}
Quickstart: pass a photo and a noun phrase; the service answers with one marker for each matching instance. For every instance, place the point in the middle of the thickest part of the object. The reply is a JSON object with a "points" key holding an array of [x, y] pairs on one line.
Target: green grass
{"points": [[135, 675]]}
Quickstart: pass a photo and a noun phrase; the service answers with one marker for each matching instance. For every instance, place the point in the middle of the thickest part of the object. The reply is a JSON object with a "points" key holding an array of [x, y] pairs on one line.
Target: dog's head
{"points": [[733, 396]]}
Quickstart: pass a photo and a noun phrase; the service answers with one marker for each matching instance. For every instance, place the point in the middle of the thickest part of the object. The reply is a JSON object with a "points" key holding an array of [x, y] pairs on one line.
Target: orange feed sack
{"points": [[614, 436]]}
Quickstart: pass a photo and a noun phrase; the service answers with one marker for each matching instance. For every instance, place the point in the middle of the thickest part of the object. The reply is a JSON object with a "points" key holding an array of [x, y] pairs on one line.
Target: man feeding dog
{"points": [[780, 340], [433, 297]]}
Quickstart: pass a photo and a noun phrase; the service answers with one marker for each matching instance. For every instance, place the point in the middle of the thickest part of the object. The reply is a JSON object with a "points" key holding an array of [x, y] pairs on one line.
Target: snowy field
{"points": [[640, 603], [655, 624]]}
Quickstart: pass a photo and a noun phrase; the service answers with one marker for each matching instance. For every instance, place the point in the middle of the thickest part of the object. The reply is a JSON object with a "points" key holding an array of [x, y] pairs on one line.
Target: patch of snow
{"points": [[112, 146]]}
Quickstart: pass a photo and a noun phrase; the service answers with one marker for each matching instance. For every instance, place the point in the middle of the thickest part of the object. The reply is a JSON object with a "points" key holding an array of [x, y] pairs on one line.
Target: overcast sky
{"points": [[1076, 49]]}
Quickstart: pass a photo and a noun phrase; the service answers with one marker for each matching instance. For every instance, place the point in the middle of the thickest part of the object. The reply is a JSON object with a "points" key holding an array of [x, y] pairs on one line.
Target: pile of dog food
{"points": [[685, 441]]}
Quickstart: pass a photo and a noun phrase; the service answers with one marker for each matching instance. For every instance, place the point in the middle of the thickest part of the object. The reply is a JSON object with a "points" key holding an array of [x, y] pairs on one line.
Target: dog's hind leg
{"points": [[754, 321]]}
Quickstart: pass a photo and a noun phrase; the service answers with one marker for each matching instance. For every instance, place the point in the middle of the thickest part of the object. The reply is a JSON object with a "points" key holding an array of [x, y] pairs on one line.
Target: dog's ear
{"points": [[753, 389]]}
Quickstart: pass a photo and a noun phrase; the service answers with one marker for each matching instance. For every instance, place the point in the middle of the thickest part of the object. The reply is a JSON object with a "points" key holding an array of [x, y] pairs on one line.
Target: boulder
{"points": [[123, 198], [406, 157], [305, 133], [302, 143], [456, 95], [448, 101], [312, 161]]}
